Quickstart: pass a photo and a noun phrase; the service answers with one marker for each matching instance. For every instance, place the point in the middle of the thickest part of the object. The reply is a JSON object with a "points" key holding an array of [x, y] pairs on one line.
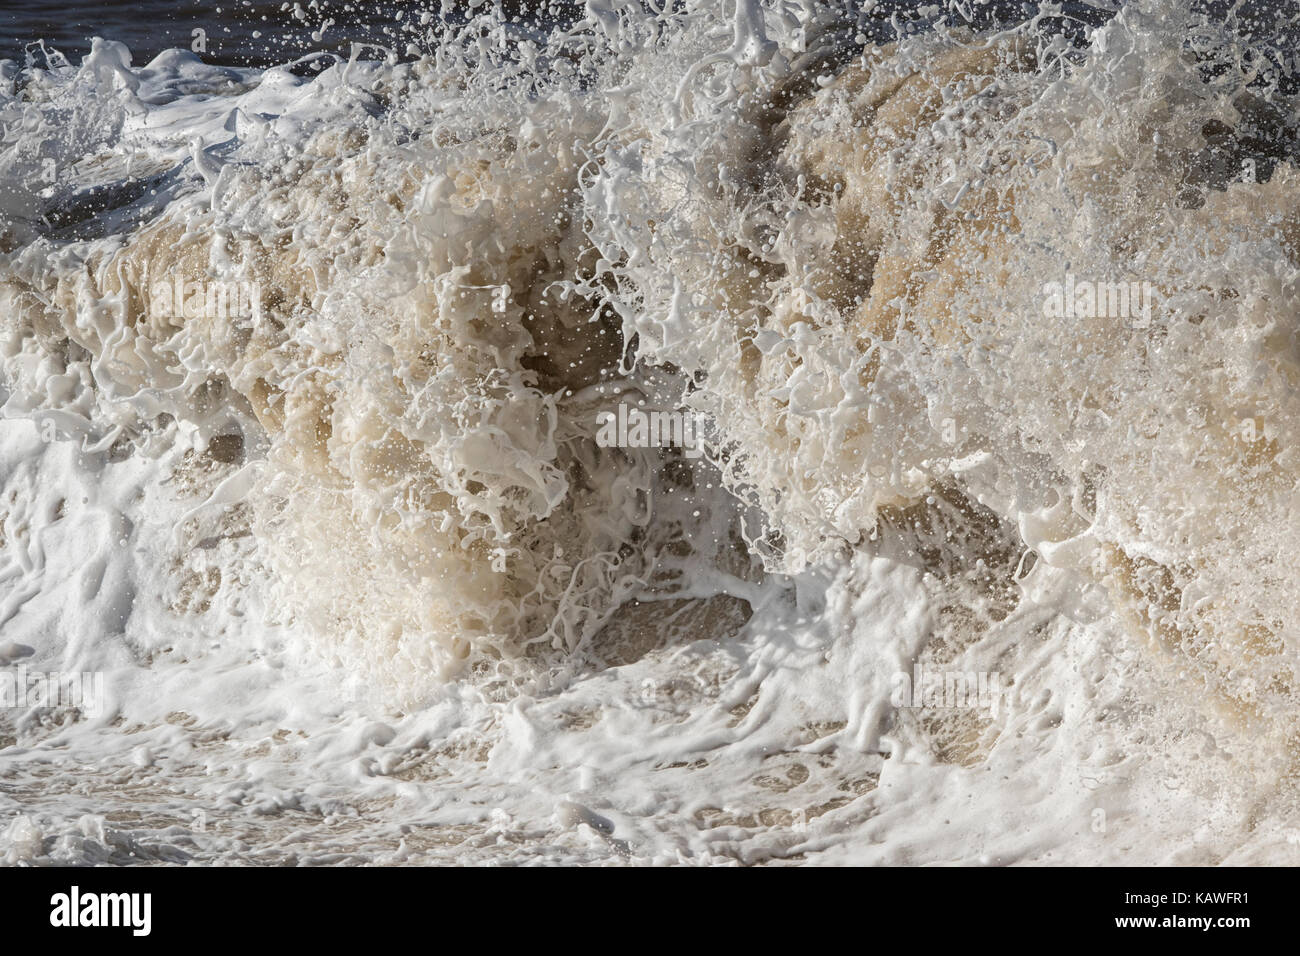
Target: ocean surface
{"points": [[234, 33], [711, 433]]}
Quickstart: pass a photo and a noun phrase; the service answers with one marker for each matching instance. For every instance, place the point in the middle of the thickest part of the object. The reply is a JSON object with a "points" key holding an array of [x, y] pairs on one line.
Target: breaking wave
{"points": [[991, 327]]}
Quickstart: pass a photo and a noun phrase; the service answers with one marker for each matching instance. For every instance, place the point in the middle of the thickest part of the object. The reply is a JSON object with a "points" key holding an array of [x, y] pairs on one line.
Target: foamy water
{"points": [[990, 338]]}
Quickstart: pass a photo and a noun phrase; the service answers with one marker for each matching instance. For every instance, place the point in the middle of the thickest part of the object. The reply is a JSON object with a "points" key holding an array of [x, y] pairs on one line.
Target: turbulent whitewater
{"points": [[992, 331]]}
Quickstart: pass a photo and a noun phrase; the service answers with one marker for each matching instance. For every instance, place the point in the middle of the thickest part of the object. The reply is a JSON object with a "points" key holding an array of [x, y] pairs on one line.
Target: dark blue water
{"points": [[239, 32]]}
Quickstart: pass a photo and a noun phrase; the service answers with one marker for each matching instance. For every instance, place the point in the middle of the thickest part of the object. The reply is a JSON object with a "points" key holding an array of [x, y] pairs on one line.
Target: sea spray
{"points": [[370, 527]]}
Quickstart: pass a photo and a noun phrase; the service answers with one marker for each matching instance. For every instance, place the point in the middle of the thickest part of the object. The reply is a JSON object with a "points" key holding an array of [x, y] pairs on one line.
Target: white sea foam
{"points": [[363, 584]]}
